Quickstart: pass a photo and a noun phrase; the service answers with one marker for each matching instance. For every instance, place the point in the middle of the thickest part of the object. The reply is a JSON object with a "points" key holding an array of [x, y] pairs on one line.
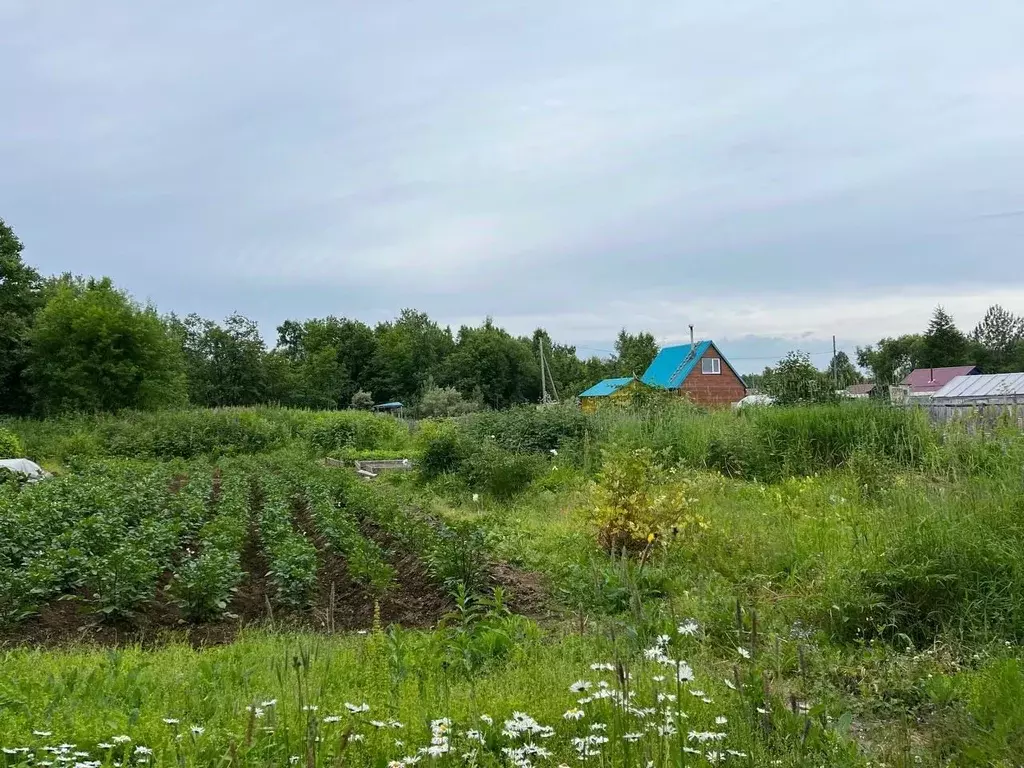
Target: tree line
{"points": [[75, 344], [995, 345]]}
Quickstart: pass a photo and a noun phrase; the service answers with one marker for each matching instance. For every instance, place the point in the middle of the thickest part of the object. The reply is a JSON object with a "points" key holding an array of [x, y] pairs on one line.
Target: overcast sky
{"points": [[773, 171]]}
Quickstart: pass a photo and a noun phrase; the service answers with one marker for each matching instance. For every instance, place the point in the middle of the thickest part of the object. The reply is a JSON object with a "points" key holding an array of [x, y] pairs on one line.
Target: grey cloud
{"points": [[542, 160]]}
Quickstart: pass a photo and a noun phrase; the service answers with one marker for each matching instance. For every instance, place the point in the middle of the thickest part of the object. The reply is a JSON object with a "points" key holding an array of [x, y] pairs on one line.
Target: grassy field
{"points": [[835, 586]]}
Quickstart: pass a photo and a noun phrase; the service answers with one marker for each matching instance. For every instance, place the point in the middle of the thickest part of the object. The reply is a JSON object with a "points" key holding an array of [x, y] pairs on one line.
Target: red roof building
{"points": [[925, 381]]}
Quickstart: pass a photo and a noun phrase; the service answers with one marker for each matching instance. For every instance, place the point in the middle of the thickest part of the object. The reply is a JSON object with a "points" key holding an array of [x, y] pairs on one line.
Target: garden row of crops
{"points": [[118, 541], [104, 537]]}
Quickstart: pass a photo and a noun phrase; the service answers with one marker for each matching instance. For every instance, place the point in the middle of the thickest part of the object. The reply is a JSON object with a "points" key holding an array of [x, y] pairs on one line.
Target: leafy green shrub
{"points": [[481, 631], [333, 431], [636, 501], [458, 558], [503, 474], [444, 453], [79, 444], [10, 446], [443, 402], [528, 428], [362, 400]]}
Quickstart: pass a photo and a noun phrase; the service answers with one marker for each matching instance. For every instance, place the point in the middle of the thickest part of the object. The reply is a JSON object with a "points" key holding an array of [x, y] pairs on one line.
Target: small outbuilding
{"points": [[861, 391], [925, 382], [618, 391], [982, 389]]}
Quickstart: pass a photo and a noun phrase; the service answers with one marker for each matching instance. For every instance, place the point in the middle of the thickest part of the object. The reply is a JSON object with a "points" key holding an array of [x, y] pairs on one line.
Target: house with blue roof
{"points": [[697, 371]]}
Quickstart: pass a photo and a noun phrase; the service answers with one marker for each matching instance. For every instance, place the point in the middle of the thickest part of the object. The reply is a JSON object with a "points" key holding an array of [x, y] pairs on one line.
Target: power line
{"points": [[777, 357], [757, 357]]}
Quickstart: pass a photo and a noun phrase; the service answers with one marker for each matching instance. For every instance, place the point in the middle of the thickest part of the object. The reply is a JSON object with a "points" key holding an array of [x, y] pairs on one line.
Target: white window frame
{"points": [[716, 366]]}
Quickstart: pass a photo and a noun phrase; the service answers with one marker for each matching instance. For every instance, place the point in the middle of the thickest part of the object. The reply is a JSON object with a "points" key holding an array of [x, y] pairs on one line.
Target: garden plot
{"points": [[124, 551]]}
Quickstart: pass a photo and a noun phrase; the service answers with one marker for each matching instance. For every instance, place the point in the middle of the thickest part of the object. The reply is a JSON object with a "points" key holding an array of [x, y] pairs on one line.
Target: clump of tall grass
{"points": [[951, 560], [774, 443]]}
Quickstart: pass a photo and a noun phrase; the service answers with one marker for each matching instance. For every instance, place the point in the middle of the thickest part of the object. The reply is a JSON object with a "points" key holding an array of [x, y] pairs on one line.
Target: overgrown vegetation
{"points": [[840, 584], [10, 445]]}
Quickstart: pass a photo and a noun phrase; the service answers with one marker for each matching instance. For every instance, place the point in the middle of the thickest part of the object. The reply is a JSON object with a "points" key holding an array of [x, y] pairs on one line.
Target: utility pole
{"points": [[543, 381], [554, 390], [835, 368], [545, 374]]}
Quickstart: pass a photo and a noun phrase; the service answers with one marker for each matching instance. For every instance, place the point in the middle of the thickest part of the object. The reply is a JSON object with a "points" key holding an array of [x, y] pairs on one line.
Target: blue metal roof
{"points": [[673, 364], [606, 387]]}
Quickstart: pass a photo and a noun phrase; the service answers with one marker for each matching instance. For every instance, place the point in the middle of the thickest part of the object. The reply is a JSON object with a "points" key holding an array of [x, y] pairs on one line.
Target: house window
{"points": [[710, 365]]}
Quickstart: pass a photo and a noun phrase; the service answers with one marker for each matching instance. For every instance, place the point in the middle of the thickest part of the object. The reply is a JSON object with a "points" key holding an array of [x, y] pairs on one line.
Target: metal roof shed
{"points": [[986, 389], [607, 387]]}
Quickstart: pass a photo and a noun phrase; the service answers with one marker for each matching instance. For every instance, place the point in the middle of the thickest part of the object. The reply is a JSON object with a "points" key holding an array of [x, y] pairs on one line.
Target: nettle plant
{"points": [[638, 501]]}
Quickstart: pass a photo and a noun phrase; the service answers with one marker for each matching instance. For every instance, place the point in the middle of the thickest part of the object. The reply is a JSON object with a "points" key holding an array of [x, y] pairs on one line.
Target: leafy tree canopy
{"points": [[19, 299], [796, 381], [842, 371], [94, 349], [634, 353], [225, 364], [892, 359]]}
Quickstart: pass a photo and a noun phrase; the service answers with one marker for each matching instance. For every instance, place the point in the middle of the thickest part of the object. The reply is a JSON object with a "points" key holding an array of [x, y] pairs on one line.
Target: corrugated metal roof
{"points": [[861, 389], [988, 385], [934, 379], [606, 387], [673, 364]]}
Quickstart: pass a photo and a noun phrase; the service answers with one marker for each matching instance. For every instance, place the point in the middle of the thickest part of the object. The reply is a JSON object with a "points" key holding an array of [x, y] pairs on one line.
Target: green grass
{"points": [[89, 697], [871, 564]]}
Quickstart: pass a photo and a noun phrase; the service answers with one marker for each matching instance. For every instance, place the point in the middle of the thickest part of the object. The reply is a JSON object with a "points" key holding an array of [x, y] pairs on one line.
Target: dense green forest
{"points": [[70, 343], [80, 344]]}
